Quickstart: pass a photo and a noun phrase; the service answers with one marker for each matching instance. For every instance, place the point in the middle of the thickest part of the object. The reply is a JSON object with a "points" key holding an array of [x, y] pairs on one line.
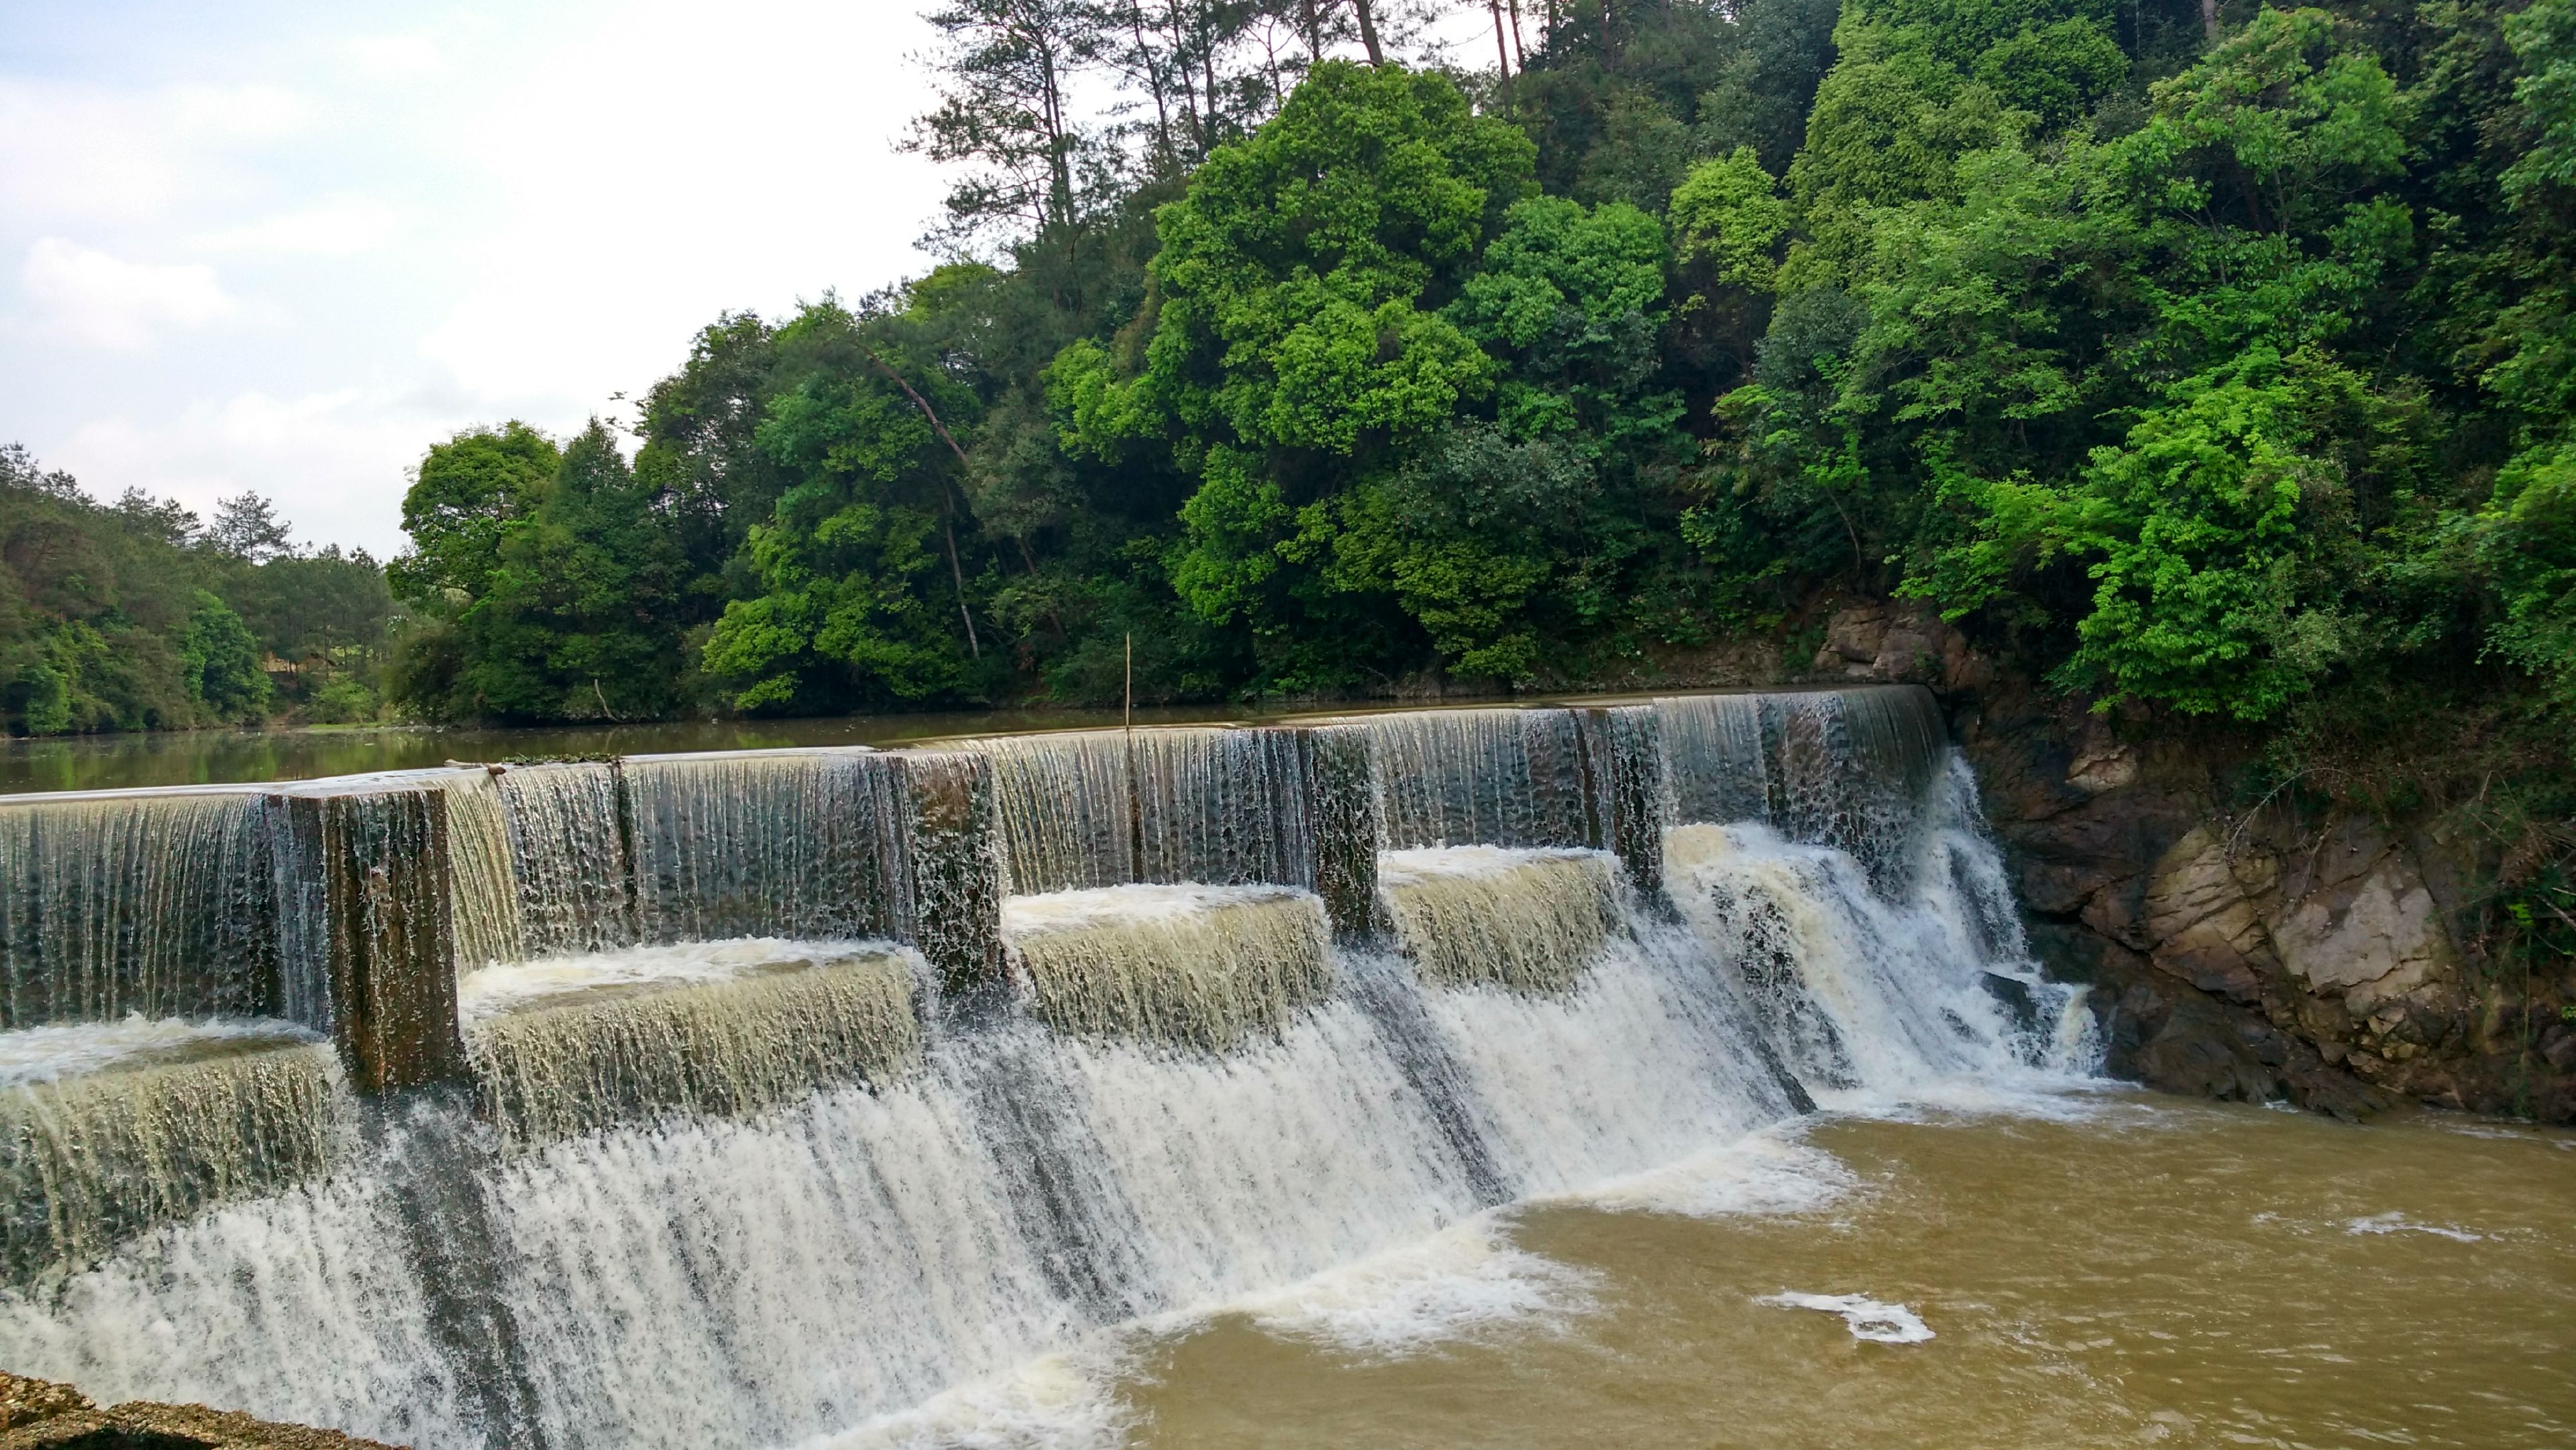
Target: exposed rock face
{"points": [[2271, 955], [42, 1415], [1903, 643]]}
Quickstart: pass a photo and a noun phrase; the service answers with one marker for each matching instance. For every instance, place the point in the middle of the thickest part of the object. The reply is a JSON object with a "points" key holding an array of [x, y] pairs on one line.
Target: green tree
{"points": [[463, 498], [848, 608], [1296, 335], [581, 614], [223, 663]]}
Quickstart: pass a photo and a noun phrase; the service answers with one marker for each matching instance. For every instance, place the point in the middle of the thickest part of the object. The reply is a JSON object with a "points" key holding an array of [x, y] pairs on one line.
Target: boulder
{"points": [[2204, 916], [2359, 923], [1901, 643]]}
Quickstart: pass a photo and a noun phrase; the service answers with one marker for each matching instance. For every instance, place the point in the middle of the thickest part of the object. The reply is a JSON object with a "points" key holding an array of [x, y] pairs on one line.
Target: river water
{"points": [[2103, 1271]]}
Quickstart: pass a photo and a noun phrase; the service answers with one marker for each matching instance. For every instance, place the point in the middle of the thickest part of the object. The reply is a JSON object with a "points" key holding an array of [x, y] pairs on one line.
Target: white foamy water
{"points": [[1424, 864], [1867, 1318], [1454, 1285], [55, 1051], [2398, 1223], [1140, 901], [514, 986], [1872, 997], [1764, 1174], [1066, 1401]]}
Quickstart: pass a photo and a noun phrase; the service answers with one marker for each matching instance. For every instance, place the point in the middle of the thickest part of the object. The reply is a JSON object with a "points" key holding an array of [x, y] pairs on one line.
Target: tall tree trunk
{"points": [[1207, 71], [1502, 57], [1520, 59], [1059, 158], [1314, 36], [1199, 128], [947, 514], [2209, 20], [1154, 81], [948, 526], [1368, 32], [1609, 59]]}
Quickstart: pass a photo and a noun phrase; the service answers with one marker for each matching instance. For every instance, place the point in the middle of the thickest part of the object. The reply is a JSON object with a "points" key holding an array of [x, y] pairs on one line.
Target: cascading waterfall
{"points": [[582, 1048], [1860, 990], [486, 891], [1284, 998], [154, 903], [569, 858], [194, 1117], [1844, 768], [1098, 808], [1531, 920], [779, 843], [1202, 966], [1489, 777]]}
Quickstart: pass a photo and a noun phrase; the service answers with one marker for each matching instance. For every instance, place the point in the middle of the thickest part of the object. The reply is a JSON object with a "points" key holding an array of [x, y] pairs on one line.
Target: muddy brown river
{"points": [[2140, 1272]]}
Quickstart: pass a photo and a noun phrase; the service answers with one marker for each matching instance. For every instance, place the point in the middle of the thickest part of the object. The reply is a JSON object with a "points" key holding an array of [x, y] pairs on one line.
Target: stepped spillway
{"points": [[746, 1099], [578, 1044], [1197, 965], [1526, 919]]}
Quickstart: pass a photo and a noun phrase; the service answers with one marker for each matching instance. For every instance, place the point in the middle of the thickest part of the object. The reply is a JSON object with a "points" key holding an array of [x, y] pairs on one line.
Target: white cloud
{"points": [[78, 153], [613, 224], [92, 298], [469, 212], [249, 113], [333, 461], [395, 57], [339, 227], [74, 152]]}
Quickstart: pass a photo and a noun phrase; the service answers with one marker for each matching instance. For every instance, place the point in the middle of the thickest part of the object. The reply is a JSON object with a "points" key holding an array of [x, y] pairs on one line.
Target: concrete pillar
{"points": [[367, 951], [1340, 811], [953, 870], [1624, 789]]}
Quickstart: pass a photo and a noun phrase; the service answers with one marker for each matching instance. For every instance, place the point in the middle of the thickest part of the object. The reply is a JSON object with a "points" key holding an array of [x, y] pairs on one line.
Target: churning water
{"points": [[788, 1187]]}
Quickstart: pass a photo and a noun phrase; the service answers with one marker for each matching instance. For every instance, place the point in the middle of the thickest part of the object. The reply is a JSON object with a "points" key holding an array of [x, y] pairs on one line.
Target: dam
{"points": [[753, 1098]]}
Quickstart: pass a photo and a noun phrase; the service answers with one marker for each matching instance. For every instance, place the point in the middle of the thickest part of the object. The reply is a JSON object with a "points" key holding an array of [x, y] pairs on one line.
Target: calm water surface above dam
{"points": [[225, 757]]}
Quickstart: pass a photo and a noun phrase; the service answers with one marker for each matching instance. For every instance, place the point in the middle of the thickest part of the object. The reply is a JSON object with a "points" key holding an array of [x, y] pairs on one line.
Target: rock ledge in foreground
{"points": [[41, 1415]]}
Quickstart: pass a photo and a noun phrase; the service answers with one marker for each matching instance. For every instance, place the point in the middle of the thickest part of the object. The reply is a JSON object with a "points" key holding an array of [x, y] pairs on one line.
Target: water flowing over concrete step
{"points": [[109, 1128], [575, 1045], [1529, 920], [1196, 966]]}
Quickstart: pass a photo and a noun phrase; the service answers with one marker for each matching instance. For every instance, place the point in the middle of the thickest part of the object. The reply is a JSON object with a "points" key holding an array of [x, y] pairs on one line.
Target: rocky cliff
{"points": [[2264, 951]]}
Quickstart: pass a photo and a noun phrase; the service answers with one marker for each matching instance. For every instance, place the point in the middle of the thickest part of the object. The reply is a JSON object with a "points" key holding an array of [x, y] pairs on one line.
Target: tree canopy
{"points": [[138, 616], [2213, 362]]}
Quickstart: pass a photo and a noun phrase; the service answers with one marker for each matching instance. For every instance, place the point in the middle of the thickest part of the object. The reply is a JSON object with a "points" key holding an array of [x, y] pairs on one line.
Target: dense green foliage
{"points": [[136, 616], [2215, 365]]}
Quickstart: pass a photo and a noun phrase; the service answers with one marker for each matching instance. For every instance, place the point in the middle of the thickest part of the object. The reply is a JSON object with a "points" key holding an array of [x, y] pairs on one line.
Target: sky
{"points": [[284, 248]]}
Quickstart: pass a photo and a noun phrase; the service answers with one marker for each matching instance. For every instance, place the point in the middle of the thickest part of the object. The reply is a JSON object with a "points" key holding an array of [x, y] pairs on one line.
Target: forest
{"points": [[138, 615], [2210, 361]]}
